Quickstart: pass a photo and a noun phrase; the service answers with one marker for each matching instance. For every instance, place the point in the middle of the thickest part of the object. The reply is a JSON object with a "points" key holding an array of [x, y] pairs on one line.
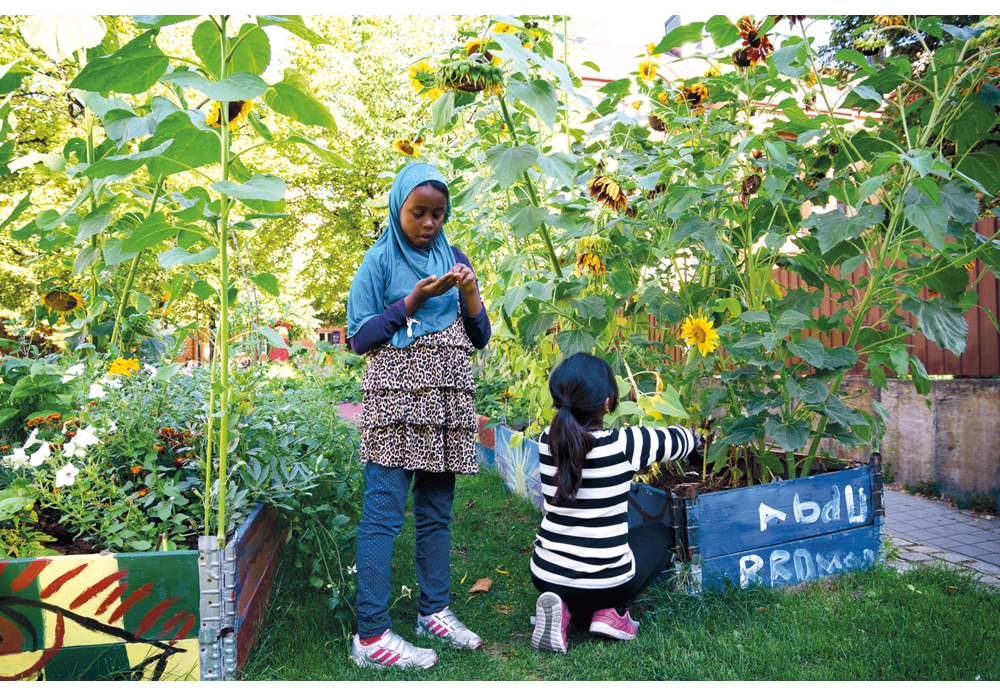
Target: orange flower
{"points": [[756, 45], [136, 469], [142, 492]]}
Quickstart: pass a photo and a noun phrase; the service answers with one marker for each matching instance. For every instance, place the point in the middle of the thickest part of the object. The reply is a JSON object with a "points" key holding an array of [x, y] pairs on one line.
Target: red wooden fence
{"points": [[982, 348]]}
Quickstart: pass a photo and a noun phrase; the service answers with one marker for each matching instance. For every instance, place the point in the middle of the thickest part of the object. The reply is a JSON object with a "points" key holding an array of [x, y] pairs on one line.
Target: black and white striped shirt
{"points": [[584, 544]]}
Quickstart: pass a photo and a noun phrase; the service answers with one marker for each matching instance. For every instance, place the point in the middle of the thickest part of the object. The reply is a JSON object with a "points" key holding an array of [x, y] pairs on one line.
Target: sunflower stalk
{"points": [[224, 298], [132, 269]]}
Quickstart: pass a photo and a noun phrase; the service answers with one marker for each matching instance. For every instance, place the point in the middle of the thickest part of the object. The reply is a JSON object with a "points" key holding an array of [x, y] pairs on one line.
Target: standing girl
{"points": [[415, 309], [587, 562]]}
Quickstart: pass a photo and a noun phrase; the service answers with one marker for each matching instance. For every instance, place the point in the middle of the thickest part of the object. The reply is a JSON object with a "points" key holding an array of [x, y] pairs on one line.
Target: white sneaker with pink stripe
{"points": [[445, 625], [391, 651]]}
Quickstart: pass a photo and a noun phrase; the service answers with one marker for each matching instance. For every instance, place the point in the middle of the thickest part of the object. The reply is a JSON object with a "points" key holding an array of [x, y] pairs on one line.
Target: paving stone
{"points": [[983, 567], [989, 580], [900, 566], [965, 538], [914, 557], [952, 557], [899, 527], [922, 549]]}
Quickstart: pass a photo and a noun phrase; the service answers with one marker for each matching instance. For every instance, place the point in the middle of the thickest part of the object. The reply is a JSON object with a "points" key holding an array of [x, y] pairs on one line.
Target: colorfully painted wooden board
{"points": [[519, 465], [793, 562], [62, 617], [774, 513]]}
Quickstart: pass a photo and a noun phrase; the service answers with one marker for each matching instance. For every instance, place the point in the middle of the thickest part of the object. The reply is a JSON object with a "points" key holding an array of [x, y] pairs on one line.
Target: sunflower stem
{"points": [[224, 299], [133, 267]]}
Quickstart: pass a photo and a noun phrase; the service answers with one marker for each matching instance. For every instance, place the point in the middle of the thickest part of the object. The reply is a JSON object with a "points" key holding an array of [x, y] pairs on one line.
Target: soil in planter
{"points": [[65, 545], [669, 480]]}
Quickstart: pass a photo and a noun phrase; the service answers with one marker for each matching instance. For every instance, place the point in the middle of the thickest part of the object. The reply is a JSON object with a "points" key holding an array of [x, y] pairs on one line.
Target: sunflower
{"points": [[663, 98], [792, 19], [889, 20], [750, 186], [123, 367], [756, 45], [62, 302], [501, 28], [651, 49], [695, 96], [236, 110], [811, 79], [971, 266], [604, 190], [647, 70], [754, 156], [656, 123], [714, 71], [741, 59], [698, 331], [477, 46], [589, 261], [405, 147]]}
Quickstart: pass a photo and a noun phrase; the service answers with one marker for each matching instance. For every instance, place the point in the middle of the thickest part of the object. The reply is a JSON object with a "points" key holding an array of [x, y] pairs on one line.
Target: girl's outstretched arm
{"points": [[646, 446]]}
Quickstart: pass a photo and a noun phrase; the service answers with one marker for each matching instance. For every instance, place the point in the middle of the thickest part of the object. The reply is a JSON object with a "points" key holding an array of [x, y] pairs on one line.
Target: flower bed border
{"points": [[159, 615]]}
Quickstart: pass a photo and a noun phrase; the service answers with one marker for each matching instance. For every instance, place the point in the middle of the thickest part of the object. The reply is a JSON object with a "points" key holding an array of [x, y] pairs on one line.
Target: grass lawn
{"points": [[930, 624]]}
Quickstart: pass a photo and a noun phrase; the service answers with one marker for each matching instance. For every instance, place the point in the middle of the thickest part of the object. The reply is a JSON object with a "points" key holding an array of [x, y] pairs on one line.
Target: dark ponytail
{"points": [[579, 386]]}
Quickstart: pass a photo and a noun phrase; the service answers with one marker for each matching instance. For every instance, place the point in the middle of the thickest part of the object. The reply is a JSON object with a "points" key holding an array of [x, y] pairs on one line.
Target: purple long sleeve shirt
{"points": [[384, 326]]}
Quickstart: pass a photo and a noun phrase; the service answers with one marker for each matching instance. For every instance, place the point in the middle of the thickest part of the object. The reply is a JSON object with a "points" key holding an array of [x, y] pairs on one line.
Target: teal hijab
{"points": [[392, 267]]}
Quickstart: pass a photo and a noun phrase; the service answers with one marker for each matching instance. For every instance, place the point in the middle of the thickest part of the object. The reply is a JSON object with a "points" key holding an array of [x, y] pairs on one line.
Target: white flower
{"points": [[32, 439], [352, 570], [149, 368], [16, 460], [69, 449], [406, 591], [112, 429], [96, 392], [40, 455], [111, 381], [73, 372], [66, 476], [85, 437]]}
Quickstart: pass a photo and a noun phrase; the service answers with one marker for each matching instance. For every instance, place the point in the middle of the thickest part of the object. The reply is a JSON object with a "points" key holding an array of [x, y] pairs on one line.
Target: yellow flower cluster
{"points": [[124, 367]]}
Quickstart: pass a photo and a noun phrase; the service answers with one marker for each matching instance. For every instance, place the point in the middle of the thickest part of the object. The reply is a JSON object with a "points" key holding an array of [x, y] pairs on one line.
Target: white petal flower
{"points": [[69, 449], [96, 392], [406, 591], [111, 381], [66, 476], [16, 460], [149, 368], [113, 428], [86, 437], [32, 439], [74, 372], [40, 455]]}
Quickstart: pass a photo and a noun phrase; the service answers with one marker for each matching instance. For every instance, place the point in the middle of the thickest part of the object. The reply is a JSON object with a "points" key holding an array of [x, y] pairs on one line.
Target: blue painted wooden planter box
{"points": [[778, 533]]}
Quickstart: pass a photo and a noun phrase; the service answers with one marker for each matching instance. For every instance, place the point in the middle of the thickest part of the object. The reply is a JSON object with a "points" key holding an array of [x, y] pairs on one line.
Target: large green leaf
{"points": [[132, 69], [960, 202], [809, 390], [121, 165], [788, 436], [575, 341], [834, 227], [679, 36], [113, 252], [972, 126], [723, 31], [841, 412], [984, 167], [268, 283], [122, 125], [240, 86], [513, 50], [21, 206], [810, 349], [294, 25], [179, 256], [265, 187], [940, 321], [252, 54], [509, 162], [294, 98], [531, 326], [191, 147], [540, 95], [561, 166], [931, 219], [328, 156], [526, 220], [160, 21], [786, 59], [590, 307], [272, 337], [95, 222], [151, 232], [85, 258], [442, 112], [60, 36]]}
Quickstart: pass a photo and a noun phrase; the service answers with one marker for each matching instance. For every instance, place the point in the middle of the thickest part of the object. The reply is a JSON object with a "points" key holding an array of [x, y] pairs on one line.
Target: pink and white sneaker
{"points": [[607, 622], [445, 625], [391, 650], [551, 620]]}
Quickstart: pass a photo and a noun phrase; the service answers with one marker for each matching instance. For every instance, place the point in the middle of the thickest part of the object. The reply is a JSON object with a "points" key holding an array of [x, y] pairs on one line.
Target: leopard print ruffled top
{"points": [[417, 411]]}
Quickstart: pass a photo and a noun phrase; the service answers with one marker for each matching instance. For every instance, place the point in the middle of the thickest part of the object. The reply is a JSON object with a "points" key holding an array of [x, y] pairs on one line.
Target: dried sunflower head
{"points": [[605, 190], [405, 147], [741, 59], [657, 123]]}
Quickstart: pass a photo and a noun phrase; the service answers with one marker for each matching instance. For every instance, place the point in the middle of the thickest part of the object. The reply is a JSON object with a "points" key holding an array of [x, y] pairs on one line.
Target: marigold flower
{"points": [[124, 367], [757, 46], [161, 449], [698, 331], [136, 469], [236, 112], [142, 492]]}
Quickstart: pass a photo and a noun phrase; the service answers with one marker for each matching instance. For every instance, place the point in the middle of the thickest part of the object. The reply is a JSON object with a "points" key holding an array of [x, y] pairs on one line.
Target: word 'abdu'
{"points": [[809, 511]]}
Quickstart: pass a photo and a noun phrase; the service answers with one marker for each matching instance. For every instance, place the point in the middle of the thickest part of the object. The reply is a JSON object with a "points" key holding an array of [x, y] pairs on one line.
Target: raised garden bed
{"points": [[779, 533], [157, 615]]}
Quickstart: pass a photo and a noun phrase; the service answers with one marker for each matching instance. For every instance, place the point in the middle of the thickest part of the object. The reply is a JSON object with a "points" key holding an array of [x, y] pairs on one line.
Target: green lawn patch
{"points": [[927, 624]]}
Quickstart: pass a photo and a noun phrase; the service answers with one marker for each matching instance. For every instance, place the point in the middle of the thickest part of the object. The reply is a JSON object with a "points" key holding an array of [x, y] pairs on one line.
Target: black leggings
{"points": [[651, 544]]}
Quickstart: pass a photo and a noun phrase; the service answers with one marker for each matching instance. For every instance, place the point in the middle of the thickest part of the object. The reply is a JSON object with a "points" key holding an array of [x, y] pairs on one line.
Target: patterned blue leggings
{"points": [[381, 520]]}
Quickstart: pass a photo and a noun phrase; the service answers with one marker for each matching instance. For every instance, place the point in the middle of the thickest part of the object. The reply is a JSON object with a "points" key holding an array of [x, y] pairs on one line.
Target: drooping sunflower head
{"points": [[63, 302], [792, 19], [695, 96], [647, 70], [236, 113], [714, 71], [405, 147], [123, 367], [605, 190], [476, 46], [590, 262], [741, 59], [699, 332], [889, 20], [657, 123], [757, 46]]}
